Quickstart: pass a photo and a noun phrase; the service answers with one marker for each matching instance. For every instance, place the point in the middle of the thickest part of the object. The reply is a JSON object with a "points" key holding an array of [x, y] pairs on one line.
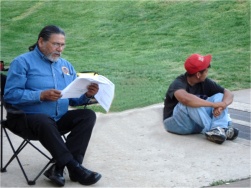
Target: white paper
{"points": [[79, 86]]}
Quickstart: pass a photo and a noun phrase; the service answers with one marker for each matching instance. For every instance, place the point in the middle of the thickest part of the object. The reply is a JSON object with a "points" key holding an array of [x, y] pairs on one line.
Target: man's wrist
{"points": [[89, 96]]}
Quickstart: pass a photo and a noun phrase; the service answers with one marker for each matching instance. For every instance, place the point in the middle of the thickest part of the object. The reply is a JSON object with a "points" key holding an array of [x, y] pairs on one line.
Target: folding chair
{"points": [[87, 72], [24, 143]]}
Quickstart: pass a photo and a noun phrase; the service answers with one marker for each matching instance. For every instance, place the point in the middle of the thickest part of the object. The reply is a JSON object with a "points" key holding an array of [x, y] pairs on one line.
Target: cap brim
{"points": [[207, 60]]}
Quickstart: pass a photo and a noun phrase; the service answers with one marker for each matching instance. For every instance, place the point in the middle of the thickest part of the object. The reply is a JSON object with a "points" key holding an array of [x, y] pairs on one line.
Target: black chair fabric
{"points": [[4, 129]]}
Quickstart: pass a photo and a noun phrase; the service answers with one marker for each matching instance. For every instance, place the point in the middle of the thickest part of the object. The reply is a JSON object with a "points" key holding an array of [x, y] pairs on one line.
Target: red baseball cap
{"points": [[197, 62]]}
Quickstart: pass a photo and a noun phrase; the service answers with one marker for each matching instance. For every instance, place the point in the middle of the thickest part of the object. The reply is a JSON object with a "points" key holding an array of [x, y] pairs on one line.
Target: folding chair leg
{"points": [[35, 179], [15, 155], [22, 145], [2, 169], [39, 150]]}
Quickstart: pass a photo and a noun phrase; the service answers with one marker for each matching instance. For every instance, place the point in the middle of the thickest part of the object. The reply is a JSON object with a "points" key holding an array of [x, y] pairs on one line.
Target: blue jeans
{"points": [[189, 120]]}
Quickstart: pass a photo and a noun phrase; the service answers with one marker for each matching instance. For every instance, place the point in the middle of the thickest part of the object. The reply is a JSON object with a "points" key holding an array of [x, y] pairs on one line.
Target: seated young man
{"points": [[197, 104]]}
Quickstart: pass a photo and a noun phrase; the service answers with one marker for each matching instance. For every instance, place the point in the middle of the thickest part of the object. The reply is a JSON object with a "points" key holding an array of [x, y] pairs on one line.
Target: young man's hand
{"points": [[218, 108]]}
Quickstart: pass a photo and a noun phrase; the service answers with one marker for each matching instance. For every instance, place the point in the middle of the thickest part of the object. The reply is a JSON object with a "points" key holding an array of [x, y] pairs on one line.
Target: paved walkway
{"points": [[132, 149]]}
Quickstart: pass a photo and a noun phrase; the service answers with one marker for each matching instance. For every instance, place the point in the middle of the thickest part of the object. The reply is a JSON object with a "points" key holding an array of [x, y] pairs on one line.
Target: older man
{"points": [[34, 83]]}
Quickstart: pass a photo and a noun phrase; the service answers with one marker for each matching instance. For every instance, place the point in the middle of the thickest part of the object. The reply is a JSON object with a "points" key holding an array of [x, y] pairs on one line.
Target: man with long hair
{"points": [[34, 83]]}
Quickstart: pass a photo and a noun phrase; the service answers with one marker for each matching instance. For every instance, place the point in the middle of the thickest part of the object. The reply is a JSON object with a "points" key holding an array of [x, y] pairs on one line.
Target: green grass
{"points": [[138, 45]]}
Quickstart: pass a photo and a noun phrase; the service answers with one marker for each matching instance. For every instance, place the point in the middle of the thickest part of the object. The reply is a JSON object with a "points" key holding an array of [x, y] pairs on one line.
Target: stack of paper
{"points": [[79, 86]]}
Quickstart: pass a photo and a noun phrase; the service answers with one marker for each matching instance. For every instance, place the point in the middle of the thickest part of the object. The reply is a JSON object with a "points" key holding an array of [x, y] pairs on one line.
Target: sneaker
{"points": [[231, 133], [216, 135]]}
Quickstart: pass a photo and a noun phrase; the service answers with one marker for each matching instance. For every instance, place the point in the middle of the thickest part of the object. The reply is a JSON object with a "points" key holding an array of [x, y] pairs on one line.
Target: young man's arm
{"points": [[191, 100], [227, 100], [228, 97]]}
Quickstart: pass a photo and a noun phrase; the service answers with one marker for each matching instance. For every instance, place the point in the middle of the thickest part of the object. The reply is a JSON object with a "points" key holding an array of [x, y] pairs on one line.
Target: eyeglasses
{"points": [[57, 45]]}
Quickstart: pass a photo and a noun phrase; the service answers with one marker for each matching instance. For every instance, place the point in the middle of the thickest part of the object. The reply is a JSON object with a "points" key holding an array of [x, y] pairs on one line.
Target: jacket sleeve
{"points": [[79, 101], [15, 92]]}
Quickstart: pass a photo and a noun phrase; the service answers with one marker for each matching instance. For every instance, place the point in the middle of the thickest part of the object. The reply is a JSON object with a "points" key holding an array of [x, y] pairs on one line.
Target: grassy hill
{"points": [[139, 45]]}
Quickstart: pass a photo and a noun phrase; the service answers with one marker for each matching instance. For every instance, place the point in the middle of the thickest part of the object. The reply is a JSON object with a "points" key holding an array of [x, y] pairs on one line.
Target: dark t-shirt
{"points": [[204, 89]]}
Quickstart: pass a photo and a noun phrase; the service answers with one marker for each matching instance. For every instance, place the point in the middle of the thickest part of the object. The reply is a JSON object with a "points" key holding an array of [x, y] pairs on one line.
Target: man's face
{"points": [[52, 48], [204, 75]]}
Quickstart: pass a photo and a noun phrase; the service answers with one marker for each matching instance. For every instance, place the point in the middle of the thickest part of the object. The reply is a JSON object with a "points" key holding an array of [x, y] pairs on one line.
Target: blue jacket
{"points": [[31, 73]]}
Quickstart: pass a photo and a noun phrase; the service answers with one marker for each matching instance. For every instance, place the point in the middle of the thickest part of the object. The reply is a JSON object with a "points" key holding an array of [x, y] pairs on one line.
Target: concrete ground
{"points": [[132, 149]]}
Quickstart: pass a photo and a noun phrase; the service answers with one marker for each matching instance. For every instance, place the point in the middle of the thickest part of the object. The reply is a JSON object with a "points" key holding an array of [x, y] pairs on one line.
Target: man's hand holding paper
{"points": [[92, 90], [99, 86]]}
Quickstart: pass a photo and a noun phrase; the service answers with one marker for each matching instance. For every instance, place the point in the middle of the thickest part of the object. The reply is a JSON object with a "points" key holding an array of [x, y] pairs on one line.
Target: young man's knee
{"points": [[217, 97]]}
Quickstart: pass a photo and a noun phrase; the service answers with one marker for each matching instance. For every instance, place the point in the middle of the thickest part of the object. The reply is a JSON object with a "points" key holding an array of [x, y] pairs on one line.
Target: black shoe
{"points": [[55, 174], [83, 175]]}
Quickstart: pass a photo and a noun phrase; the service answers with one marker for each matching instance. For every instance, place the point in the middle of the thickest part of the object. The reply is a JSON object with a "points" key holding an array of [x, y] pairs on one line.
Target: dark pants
{"points": [[41, 127]]}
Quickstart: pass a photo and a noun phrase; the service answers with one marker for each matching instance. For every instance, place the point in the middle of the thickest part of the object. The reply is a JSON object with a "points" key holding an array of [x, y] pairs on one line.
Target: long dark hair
{"points": [[46, 32]]}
